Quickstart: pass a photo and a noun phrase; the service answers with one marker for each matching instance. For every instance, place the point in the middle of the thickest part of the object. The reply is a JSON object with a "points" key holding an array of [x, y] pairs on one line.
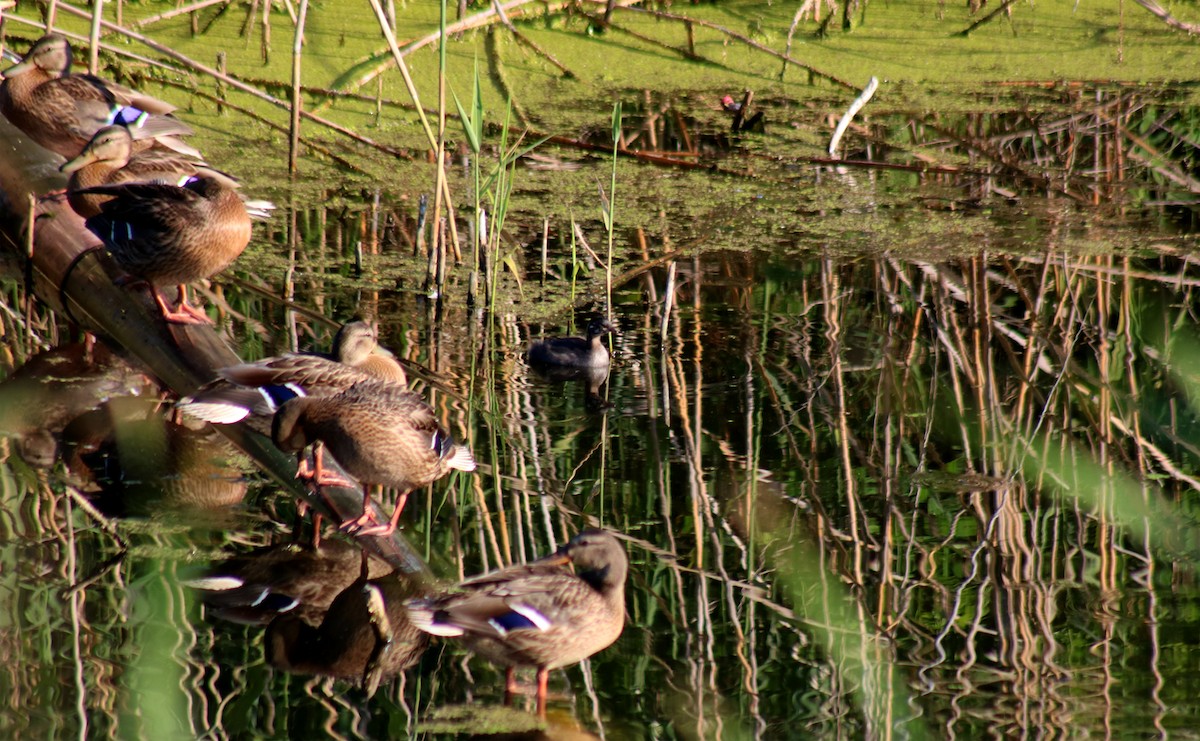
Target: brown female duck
{"points": [[258, 389], [172, 234], [61, 111], [356, 345], [574, 352], [540, 613], [110, 158], [380, 433]]}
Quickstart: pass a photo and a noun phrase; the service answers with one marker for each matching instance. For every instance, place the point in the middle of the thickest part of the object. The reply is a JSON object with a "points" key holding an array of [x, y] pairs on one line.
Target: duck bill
{"points": [[79, 162], [20, 67], [558, 558]]}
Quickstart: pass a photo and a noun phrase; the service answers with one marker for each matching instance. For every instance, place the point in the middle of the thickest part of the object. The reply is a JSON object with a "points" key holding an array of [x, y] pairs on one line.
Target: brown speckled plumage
{"points": [[169, 234], [61, 111], [537, 614], [110, 158], [380, 433], [355, 357]]}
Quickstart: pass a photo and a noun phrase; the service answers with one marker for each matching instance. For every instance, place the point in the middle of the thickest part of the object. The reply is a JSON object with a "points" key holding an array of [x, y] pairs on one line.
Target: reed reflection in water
{"points": [[856, 494]]}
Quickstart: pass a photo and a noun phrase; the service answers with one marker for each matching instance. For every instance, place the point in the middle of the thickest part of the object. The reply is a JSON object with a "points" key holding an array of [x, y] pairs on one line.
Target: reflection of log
{"points": [[74, 276]]}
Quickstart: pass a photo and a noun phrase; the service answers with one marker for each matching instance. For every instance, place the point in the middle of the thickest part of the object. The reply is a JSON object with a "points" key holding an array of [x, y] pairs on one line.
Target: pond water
{"points": [[900, 447]]}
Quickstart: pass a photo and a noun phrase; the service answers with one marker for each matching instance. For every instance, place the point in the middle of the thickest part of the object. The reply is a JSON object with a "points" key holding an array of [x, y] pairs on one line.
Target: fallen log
{"points": [[72, 274]]}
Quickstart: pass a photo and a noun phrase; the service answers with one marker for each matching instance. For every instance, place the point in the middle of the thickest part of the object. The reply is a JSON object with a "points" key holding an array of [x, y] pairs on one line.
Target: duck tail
{"points": [[229, 405], [259, 210], [460, 458], [424, 616]]}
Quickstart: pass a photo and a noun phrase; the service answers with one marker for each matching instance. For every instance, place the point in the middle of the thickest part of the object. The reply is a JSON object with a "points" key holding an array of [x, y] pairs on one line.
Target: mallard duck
{"points": [[109, 158], [257, 390], [537, 614], [574, 352], [172, 234], [380, 433], [61, 111], [356, 344]]}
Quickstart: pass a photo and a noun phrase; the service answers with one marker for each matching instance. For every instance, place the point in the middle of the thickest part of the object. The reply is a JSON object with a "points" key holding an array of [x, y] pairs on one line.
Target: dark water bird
{"points": [[257, 390], [61, 111], [172, 234], [574, 352], [380, 433], [109, 158], [365, 636], [540, 613]]}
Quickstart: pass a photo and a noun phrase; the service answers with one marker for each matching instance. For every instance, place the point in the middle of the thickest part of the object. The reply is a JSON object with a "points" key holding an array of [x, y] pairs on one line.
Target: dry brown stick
{"points": [[297, 48], [343, 162], [434, 141], [94, 37], [479, 20], [1190, 28], [688, 53], [115, 50], [522, 39]]}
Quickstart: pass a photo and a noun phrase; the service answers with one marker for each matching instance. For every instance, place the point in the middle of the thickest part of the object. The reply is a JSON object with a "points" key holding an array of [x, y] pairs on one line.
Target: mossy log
{"points": [[73, 274]]}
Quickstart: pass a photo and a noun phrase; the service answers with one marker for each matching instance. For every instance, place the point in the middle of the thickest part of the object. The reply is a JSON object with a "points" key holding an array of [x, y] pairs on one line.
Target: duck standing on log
{"points": [[380, 433], [172, 234]]}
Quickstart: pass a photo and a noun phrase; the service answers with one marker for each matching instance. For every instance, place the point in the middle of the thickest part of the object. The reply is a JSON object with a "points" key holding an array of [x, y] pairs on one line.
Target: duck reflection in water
{"points": [[256, 587], [42, 397], [365, 636], [569, 359], [133, 462], [323, 614]]}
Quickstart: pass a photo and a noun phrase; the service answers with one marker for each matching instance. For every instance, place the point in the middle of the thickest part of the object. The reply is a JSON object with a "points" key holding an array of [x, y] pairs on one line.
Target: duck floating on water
{"points": [[574, 352]]}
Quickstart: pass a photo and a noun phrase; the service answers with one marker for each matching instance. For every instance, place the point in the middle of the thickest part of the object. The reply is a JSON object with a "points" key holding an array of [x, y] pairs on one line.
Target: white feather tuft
{"points": [[532, 615], [461, 459], [222, 583], [214, 412], [421, 616]]}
